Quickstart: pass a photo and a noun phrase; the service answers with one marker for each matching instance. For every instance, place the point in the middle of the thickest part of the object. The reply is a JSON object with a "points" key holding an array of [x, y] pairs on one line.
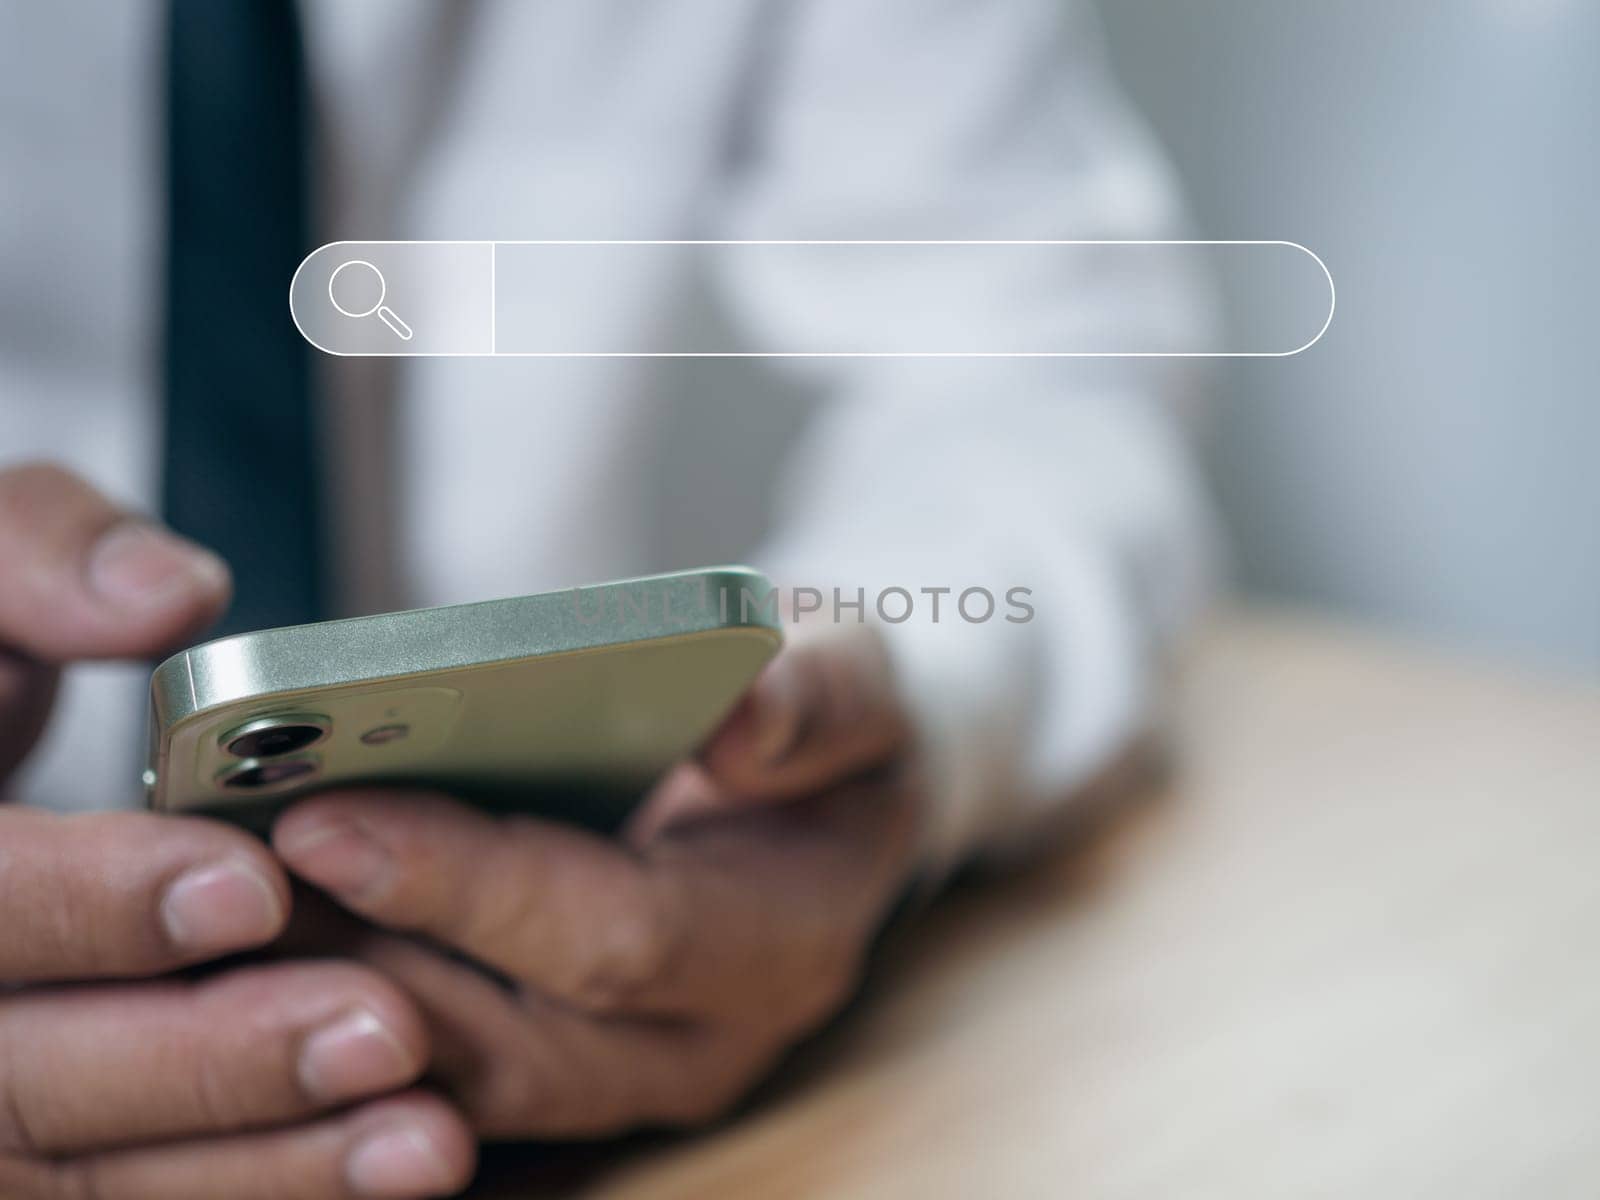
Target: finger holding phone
{"points": [[118, 1076], [587, 983], [651, 980]]}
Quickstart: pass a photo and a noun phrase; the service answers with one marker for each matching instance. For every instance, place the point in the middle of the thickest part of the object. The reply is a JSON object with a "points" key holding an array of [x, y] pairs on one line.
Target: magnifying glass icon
{"points": [[363, 287]]}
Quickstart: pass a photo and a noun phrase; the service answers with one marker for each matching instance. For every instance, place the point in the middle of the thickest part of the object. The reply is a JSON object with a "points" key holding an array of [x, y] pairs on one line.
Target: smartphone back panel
{"points": [[567, 703]]}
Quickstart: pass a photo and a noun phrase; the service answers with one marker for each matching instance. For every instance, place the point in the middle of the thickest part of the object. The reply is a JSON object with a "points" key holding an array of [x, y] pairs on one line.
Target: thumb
{"points": [[824, 709], [81, 578]]}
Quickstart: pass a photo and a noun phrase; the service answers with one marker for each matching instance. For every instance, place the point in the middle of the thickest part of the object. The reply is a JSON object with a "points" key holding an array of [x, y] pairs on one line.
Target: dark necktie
{"points": [[241, 463]]}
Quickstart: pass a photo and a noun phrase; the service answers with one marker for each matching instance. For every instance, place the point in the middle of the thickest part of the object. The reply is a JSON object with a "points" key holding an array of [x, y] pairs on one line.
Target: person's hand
{"points": [[651, 981], [114, 1083], [81, 579]]}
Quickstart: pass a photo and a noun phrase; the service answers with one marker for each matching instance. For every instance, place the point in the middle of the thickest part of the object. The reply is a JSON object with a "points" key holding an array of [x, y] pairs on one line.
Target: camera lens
{"points": [[270, 737], [250, 776]]}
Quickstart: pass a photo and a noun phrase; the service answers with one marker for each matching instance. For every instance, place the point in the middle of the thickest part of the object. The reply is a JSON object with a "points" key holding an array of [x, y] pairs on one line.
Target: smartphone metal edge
{"points": [[421, 641]]}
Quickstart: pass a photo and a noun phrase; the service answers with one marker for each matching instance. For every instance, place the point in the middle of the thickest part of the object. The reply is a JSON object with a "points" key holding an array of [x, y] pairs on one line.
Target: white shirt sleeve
{"points": [[982, 119]]}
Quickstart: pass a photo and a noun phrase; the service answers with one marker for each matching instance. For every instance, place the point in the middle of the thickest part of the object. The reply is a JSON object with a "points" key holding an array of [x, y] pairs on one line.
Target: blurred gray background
{"points": [[1432, 464]]}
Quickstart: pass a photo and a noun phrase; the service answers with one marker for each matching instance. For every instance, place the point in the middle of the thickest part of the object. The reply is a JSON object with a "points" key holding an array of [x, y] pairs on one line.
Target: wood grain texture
{"points": [[1354, 950]]}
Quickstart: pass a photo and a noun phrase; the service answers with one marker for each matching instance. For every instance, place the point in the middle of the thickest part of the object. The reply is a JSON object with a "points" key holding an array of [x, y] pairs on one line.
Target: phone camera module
{"points": [[253, 776], [272, 737]]}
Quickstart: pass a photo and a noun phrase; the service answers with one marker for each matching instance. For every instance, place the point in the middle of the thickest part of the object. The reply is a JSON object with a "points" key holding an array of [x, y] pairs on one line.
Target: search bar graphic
{"points": [[358, 289], [814, 299]]}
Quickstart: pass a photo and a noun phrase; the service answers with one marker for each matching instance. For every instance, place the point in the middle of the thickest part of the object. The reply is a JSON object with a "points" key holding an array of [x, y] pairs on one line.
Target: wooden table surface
{"points": [[1352, 951]]}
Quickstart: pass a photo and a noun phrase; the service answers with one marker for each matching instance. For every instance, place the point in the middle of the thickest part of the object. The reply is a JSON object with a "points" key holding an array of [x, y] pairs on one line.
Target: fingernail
{"points": [[223, 906], [336, 855], [399, 1162], [356, 1055], [138, 563]]}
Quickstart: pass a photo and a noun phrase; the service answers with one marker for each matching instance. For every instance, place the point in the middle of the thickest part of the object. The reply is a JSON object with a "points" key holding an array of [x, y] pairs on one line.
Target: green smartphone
{"points": [[568, 704]]}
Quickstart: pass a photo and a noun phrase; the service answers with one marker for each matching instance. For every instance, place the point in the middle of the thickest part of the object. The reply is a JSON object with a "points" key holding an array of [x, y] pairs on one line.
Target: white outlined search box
{"points": [[867, 299]]}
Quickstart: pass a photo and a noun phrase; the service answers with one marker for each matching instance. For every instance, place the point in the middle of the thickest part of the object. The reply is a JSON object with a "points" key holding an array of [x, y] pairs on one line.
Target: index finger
{"points": [[123, 895], [711, 915], [541, 903]]}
